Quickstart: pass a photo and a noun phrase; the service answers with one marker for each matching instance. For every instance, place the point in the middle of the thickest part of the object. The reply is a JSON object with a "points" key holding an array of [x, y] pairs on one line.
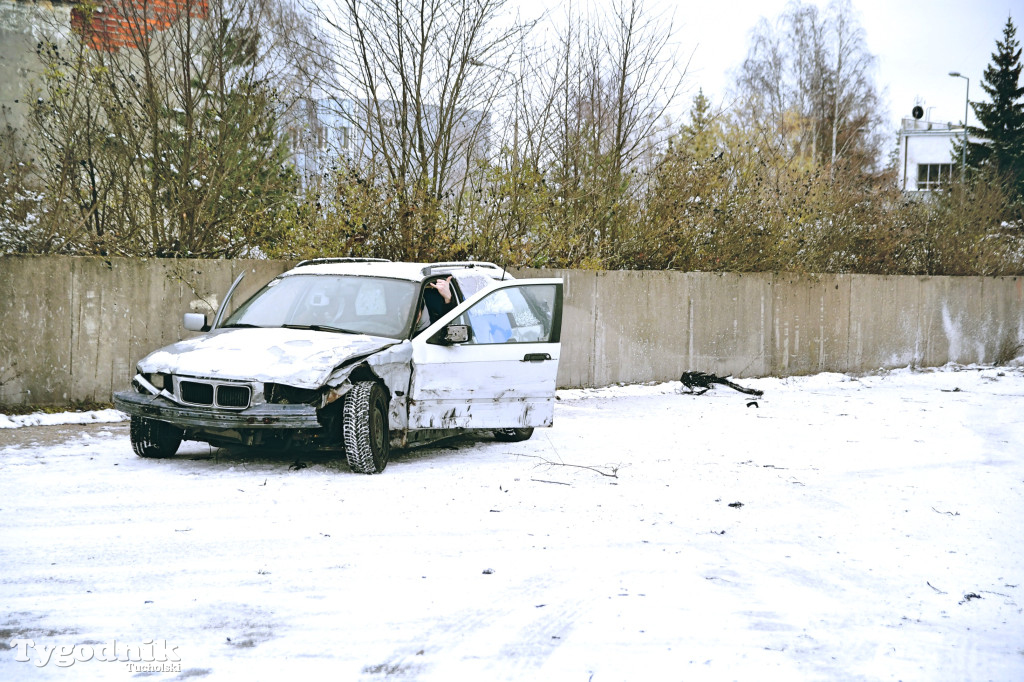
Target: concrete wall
{"points": [[73, 328]]}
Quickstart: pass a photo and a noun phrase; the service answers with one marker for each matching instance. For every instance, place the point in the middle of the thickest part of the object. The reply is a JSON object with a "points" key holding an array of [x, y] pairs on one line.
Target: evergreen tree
{"points": [[702, 136], [1002, 119]]}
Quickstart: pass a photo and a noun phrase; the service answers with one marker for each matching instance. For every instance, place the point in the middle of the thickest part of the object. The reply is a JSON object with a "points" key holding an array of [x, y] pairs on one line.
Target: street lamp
{"points": [[967, 101]]}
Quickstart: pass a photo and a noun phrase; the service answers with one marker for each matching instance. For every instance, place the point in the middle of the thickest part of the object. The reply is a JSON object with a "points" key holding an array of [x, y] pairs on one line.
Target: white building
{"points": [[322, 131], [319, 134], [926, 150]]}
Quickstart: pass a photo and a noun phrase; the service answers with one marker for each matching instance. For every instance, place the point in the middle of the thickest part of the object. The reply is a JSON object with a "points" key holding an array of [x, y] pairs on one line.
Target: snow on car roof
{"points": [[415, 272]]}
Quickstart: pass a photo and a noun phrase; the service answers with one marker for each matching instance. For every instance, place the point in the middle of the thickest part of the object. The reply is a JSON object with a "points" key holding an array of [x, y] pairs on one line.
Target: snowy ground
{"points": [[845, 529]]}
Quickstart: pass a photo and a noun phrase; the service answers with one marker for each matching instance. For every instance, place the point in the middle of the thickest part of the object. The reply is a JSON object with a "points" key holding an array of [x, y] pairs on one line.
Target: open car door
{"points": [[502, 375]]}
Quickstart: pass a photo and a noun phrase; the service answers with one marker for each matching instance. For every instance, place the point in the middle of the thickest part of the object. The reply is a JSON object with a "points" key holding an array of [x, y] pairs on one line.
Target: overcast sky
{"points": [[917, 44]]}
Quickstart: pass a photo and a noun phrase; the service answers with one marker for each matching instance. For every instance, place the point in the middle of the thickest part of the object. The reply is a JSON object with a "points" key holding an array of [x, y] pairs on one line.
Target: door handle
{"points": [[536, 357]]}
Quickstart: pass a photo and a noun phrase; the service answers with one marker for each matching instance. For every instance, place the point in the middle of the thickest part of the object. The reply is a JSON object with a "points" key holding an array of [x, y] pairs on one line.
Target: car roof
{"points": [[415, 272]]}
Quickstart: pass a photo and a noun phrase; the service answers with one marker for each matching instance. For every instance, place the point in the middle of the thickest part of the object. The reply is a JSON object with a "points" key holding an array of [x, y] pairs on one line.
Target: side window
{"points": [[432, 306], [514, 315]]}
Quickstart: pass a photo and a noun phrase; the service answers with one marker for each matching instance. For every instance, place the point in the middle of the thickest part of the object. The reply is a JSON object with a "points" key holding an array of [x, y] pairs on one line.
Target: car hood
{"points": [[297, 357]]}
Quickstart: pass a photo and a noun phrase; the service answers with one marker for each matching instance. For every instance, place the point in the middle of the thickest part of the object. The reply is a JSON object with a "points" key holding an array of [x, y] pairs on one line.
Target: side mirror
{"points": [[196, 322], [456, 333]]}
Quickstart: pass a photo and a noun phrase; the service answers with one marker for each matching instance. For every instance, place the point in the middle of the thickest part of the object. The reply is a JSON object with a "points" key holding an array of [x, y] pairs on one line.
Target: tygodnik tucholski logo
{"points": [[150, 656]]}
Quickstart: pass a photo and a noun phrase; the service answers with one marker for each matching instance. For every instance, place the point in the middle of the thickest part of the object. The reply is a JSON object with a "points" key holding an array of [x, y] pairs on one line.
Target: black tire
{"points": [[151, 438], [513, 435], [365, 430]]}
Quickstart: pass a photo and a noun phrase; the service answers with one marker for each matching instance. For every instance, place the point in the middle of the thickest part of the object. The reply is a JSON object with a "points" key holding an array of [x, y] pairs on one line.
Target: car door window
{"points": [[424, 318], [513, 315]]}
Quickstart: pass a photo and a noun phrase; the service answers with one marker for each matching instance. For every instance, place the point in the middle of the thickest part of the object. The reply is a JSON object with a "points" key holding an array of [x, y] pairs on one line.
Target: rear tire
{"points": [[365, 429], [151, 438], [513, 435]]}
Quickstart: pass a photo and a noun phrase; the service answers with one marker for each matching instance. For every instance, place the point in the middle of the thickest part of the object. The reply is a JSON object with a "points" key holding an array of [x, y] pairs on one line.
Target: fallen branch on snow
{"points": [[597, 470], [945, 512]]}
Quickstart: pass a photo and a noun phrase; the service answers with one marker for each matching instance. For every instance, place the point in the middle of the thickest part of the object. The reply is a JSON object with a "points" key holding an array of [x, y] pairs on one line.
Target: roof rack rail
{"points": [[429, 269], [346, 259]]}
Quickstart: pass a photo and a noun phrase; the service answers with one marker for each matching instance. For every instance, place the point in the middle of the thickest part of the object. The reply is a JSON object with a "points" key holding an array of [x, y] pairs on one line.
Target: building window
{"points": [[931, 176]]}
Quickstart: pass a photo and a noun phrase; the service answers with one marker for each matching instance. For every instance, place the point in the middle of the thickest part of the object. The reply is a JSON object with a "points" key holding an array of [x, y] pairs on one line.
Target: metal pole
{"points": [[963, 152], [967, 102]]}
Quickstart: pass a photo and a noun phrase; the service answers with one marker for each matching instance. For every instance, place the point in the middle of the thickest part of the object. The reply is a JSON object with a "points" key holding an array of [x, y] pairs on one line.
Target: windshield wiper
{"points": [[321, 328], [241, 325]]}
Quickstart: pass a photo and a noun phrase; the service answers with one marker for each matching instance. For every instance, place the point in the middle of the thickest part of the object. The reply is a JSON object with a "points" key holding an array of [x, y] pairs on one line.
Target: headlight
{"points": [[159, 381], [290, 395]]}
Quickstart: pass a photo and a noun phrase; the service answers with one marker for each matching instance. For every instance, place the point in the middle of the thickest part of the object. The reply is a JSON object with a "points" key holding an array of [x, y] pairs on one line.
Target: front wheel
{"points": [[513, 435], [151, 438], [365, 428]]}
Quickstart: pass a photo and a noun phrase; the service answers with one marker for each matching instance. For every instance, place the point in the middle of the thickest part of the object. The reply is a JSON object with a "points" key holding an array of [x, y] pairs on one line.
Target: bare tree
{"points": [[807, 85], [416, 81], [593, 116], [855, 101]]}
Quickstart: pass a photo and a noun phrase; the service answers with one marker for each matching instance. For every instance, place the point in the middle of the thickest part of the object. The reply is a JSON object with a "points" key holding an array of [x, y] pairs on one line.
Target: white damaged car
{"points": [[359, 355]]}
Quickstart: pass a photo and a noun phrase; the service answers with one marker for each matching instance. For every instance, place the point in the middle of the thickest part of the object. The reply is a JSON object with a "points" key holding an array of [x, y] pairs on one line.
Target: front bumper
{"points": [[267, 416]]}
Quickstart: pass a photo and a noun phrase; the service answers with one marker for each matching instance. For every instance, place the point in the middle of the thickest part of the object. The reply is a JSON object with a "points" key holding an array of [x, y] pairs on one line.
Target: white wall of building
{"points": [[928, 144]]}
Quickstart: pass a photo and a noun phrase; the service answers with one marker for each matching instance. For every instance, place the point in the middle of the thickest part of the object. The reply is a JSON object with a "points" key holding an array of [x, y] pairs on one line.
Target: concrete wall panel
{"points": [[885, 317], [729, 323], [36, 330], [641, 327], [810, 324], [972, 319], [951, 320]]}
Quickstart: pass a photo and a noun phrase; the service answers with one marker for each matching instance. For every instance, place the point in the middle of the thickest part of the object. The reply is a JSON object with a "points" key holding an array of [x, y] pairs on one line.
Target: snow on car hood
{"points": [[297, 357]]}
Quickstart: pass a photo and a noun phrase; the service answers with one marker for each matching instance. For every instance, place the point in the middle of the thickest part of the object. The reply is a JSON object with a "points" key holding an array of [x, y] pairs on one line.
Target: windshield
{"points": [[340, 303]]}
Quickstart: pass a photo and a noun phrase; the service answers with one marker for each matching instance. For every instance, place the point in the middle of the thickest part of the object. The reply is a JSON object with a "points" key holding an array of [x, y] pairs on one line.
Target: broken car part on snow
{"points": [[705, 381]]}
